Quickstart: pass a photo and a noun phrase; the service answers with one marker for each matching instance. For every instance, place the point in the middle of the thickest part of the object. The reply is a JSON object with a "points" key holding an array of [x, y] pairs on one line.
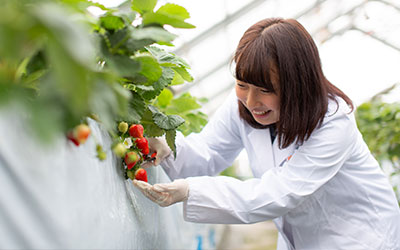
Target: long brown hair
{"points": [[283, 45]]}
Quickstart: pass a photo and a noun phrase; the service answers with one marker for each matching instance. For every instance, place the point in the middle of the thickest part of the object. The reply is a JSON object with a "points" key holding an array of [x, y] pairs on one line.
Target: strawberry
{"points": [[119, 149], [71, 138], [100, 152], [81, 133], [131, 158], [143, 145], [153, 155], [141, 175], [130, 174], [123, 127], [136, 130]]}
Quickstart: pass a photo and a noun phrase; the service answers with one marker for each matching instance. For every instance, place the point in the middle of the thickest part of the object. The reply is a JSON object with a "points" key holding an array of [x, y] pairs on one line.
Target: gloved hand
{"points": [[160, 146], [165, 194]]}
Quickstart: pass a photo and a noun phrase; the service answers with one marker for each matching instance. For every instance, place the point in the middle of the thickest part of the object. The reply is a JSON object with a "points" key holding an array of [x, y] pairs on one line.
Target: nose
{"points": [[252, 99]]}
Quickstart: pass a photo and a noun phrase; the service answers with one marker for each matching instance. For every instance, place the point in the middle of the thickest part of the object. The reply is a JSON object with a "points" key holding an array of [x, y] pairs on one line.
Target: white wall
{"points": [[63, 197]]}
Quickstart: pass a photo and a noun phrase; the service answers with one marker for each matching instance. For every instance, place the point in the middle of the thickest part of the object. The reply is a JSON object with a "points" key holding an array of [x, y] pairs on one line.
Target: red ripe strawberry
{"points": [[70, 137], [153, 155], [131, 158], [81, 133], [136, 130], [141, 175], [143, 145], [146, 151]]}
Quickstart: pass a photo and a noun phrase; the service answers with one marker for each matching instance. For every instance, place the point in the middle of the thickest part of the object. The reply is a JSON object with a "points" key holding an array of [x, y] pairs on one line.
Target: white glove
{"points": [[165, 194], [160, 146]]}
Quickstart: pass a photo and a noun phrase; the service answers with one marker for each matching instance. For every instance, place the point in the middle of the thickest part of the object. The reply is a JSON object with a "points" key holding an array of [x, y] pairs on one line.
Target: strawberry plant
{"points": [[61, 64]]}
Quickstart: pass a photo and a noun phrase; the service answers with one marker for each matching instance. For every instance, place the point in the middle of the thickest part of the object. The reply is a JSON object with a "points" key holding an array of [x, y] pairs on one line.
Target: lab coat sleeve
{"points": [[210, 151], [280, 189]]}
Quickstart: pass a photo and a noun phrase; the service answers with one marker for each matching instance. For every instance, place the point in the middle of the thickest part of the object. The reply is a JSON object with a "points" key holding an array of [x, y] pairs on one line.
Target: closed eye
{"points": [[266, 91], [241, 85]]}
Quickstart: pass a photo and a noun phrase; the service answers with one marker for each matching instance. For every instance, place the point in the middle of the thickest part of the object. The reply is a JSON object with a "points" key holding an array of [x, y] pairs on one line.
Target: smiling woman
{"points": [[316, 180]]}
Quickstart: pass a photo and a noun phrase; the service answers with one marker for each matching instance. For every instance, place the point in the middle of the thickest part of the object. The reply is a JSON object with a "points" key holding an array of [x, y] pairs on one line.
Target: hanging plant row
{"points": [[61, 64]]}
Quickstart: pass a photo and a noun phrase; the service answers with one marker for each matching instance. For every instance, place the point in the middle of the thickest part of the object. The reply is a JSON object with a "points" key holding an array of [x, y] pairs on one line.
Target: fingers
{"points": [[147, 164], [148, 190]]}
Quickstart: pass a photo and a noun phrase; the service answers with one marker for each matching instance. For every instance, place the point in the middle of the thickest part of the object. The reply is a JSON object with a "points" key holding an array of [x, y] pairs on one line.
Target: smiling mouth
{"points": [[261, 113]]}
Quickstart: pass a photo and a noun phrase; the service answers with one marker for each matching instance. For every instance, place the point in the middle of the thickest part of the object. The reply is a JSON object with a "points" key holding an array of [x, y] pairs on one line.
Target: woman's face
{"points": [[262, 104]]}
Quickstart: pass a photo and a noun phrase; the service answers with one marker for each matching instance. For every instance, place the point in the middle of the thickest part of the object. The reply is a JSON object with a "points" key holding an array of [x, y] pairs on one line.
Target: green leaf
{"points": [[117, 38], [112, 22], [178, 80], [64, 31], [124, 65], [149, 68], [156, 34], [194, 122], [165, 58], [104, 103], [174, 10], [136, 109], [162, 18], [183, 73], [165, 97], [166, 122], [163, 81], [84, 4], [170, 138], [183, 104], [36, 63], [143, 6], [150, 128]]}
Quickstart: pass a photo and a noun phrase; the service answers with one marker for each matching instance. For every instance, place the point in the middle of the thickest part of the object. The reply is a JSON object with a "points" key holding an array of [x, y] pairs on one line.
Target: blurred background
{"points": [[359, 44]]}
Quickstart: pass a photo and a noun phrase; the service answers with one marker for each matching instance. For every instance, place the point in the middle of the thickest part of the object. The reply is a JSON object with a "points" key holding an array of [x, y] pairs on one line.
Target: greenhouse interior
{"points": [[168, 65]]}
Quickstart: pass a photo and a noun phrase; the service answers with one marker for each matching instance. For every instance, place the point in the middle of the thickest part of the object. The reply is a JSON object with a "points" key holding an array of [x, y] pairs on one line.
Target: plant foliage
{"points": [[379, 123], [60, 63]]}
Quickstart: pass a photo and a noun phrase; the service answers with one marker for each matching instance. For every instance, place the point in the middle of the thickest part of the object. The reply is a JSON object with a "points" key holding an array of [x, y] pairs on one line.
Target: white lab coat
{"points": [[331, 194]]}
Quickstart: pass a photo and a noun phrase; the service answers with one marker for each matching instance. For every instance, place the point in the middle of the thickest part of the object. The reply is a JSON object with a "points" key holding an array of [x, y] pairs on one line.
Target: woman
{"points": [[313, 173]]}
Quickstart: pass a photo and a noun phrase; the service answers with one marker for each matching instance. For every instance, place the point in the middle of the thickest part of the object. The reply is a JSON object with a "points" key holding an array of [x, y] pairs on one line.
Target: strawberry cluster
{"points": [[135, 153]]}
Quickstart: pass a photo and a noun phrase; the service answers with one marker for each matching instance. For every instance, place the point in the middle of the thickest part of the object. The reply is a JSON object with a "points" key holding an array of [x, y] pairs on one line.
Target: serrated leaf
{"points": [[183, 73], [194, 122], [150, 18], [170, 138], [136, 109], [166, 122], [156, 34], [143, 6], [165, 97], [178, 80], [133, 45], [174, 10], [151, 129], [149, 68], [124, 65], [112, 22], [165, 58], [143, 88], [183, 104], [164, 81]]}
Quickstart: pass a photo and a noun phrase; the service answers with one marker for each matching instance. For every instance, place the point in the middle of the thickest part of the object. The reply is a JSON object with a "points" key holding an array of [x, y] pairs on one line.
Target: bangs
{"points": [[254, 65]]}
